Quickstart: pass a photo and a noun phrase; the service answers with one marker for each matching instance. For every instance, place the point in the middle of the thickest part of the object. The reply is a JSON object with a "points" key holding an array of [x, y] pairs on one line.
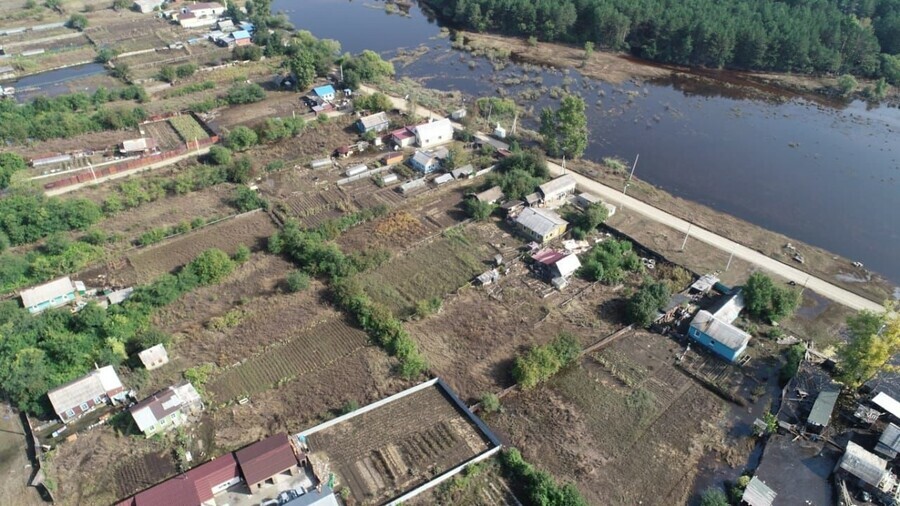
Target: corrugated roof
{"points": [[824, 406], [889, 442], [729, 307], [96, 383], [465, 170], [866, 466], [723, 332], [240, 34], [540, 221], [373, 120], [705, 283], [403, 133], [490, 195], [423, 158], [162, 404], [430, 130], [567, 265], [887, 403], [48, 291], [324, 90], [266, 458], [314, 498], [153, 354], [555, 186], [758, 493]]}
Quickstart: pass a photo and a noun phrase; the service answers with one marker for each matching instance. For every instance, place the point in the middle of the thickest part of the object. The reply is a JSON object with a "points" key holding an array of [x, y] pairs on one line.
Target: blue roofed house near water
{"points": [[714, 329], [325, 92]]}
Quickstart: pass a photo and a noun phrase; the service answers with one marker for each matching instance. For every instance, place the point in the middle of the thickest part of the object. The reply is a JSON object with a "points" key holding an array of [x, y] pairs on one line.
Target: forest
{"points": [[860, 37]]}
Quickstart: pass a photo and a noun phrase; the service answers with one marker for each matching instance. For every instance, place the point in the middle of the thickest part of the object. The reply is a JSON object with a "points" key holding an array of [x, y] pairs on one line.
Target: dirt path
{"points": [[15, 468], [740, 251]]}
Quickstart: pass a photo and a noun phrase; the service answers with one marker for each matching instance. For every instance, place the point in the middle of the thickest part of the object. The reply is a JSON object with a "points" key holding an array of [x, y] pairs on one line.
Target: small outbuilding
{"points": [[266, 462], [889, 442], [464, 172], [377, 122], [145, 6], [758, 493], [135, 146], [821, 411], [555, 192], [410, 186], [541, 225], [240, 38], [56, 293], [154, 357], [392, 158], [403, 137], [490, 196], [322, 163]]}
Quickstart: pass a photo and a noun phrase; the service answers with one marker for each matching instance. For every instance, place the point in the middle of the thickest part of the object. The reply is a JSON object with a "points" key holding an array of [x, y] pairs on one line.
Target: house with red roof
{"points": [[264, 461]]}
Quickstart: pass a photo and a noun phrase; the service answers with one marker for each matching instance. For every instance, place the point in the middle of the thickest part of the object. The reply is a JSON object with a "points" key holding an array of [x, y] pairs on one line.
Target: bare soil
{"points": [[15, 465]]}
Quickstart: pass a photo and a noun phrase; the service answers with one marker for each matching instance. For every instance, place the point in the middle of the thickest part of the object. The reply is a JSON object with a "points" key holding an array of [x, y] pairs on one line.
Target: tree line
{"points": [[833, 36]]}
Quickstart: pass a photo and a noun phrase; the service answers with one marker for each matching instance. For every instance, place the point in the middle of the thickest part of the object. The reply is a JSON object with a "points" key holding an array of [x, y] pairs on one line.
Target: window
{"points": [[84, 406], [70, 413], [97, 400]]}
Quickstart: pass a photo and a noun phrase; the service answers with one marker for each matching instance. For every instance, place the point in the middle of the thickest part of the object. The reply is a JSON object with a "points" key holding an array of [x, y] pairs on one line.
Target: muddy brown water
{"points": [[824, 172]]}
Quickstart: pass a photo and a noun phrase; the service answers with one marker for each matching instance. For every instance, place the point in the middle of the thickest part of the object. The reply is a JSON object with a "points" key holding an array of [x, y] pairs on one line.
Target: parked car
{"points": [[288, 495], [269, 502]]}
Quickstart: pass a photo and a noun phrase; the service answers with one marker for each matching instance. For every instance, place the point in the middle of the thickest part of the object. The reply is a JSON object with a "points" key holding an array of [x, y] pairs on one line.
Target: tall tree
{"points": [[874, 340], [565, 130]]}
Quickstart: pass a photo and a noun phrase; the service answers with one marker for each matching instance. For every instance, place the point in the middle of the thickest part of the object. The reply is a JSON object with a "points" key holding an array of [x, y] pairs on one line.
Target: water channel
{"points": [[826, 175], [52, 82]]}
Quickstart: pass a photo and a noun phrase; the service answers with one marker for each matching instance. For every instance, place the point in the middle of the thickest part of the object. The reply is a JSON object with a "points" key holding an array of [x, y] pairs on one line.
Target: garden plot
{"points": [[303, 354], [166, 136], [188, 128], [391, 449], [431, 270], [623, 424]]}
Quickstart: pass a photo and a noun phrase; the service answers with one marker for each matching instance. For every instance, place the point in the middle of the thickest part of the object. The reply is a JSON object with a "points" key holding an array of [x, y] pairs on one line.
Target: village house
{"points": [[490, 196], [428, 161], [392, 158], [56, 293], [403, 137], [196, 487], [434, 133], [80, 396], [137, 146], [555, 192], [868, 471], [240, 38], [324, 93], [145, 6], [377, 122], [165, 410], [555, 266], [266, 461], [714, 329], [154, 357], [464, 172], [200, 14], [323, 497], [541, 225]]}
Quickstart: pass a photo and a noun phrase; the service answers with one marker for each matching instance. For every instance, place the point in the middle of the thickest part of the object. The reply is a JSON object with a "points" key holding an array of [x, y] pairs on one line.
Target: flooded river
{"points": [[53, 82], [829, 176]]}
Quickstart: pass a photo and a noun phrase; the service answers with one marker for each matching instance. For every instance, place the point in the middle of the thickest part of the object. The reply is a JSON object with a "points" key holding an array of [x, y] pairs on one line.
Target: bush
{"points": [[241, 138], [795, 355], [644, 304], [540, 363], [608, 261], [211, 266], [713, 497], [490, 403], [766, 301], [241, 171], [297, 281], [244, 53], [219, 155], [376, 102], [77, 22], [10, 163], [244, 93], [242, 254], [246, 200], [537, 487], [478, 210]]}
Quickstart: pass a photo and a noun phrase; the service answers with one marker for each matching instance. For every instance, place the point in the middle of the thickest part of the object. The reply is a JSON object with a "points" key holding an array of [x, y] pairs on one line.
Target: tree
{"points": [[245, 93], [297, 281], [10, 163], [211, 266], [376, 102], [588, 50], [246, 200], [478, 210], [713, 497], [78, 22], [766, 301], [185, 70], [122, 71], [105, 54], [303, 66], [245, 53], [847, 84], [219, 155], [167, 73], [645, 303], [241, 138], [874, 340], [565, 130], [242, 254], [241, 171], [592, 217]]}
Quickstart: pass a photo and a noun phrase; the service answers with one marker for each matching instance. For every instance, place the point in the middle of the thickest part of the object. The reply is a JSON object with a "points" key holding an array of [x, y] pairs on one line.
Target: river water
{"points": [[826, 175], [53, 82]]}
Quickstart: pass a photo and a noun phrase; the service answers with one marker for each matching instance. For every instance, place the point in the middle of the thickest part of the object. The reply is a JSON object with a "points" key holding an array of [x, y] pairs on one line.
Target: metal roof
{"points": [[443, 178], [423, 158], [564, 183], [240, 34], [119, 296], [46, 292], [889, 442], [490, 195], [266, 458], [142, 144], [540, 221], [887, 403], [154, 408], [96, 383], [153, 354], [429, 130], [864, 465], [324, 90], [589, 197], [729, 307], [723, 332], [705, 283], [567, 265], [315, 498], [465, 170], [824, 406], [373, 120], [758, 493]]}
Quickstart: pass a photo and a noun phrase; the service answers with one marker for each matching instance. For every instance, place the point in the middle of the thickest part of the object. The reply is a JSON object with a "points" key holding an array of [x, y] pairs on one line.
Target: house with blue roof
{"points": [[241, 38], [715, 330], [324, 92]]}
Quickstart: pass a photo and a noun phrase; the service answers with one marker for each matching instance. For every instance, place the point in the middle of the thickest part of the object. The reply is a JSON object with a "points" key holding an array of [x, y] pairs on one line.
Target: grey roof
{"points": [[561, 184], [887, 403], [423, 158], [889, 442], [589, 197], [532, 198], [490, 195], [864, 465], [721, 331], [154, 356], [48, 291], [540, 221], [465, 170], [96, 383], [374, 120], [675, 301], [729, 307], [705, 283], [824, 406], [758, 493], [314, 498], [567, 265]]}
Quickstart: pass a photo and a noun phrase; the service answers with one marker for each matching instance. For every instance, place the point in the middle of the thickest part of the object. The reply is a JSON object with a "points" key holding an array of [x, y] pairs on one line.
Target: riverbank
{"points": [[616, 68], [817, 261]]}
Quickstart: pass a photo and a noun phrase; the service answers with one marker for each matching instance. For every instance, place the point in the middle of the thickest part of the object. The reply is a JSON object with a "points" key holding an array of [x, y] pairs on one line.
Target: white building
{"points": [[434, 133], [146, 6], [200, 14], [154, 357]]}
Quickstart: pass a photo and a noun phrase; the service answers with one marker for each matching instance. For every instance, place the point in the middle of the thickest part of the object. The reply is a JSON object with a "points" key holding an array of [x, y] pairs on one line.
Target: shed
{"points": [[868, 467], [434, 133], [80, 396], [377, 122], [325, 92], [566, 266], [56, 293], [403, 137], [758, 493], [823, 407], [141, 145], [443, 179], [393, 158], [262, 462], [532, 199], [412, 185], [464, 172], [512, 207], [541, 225], [584, 200], [556, 190], [889, 442], [458, 114], [241, 38], [490, 196], [704, 284], [888, 404], [154, 357], [488, 277], [499, 132], [314, 497], [119, 296]]}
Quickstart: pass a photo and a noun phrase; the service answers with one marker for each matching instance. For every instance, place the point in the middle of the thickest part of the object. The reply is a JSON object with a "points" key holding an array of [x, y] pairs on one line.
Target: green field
{"points": [[188, 128]]}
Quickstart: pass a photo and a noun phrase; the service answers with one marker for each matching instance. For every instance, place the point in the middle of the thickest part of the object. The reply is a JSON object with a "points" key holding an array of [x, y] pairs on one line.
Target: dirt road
{"points": [[616, 197]]}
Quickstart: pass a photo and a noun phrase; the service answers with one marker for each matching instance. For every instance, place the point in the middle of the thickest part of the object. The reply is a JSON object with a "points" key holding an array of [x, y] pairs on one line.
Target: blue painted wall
{"points": [[715, 346]]}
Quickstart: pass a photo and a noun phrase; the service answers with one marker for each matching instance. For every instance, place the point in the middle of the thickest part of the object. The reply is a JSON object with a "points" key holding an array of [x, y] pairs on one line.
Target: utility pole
{"points": [[729, 261], [686, 235], [627, 183]]}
